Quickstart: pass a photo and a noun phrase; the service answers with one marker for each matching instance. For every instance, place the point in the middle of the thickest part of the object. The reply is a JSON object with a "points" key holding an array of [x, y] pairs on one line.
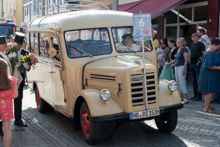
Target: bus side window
{"points": [[34, 42], [44, 44], [55, 45]]}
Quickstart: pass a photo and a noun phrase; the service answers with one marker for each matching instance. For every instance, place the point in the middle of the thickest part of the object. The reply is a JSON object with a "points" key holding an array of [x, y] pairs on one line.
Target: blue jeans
{"points": [[195, 70], [216, 98]]}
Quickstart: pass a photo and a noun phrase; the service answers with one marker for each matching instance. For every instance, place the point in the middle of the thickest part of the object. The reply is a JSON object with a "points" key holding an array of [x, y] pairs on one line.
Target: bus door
{"points": [[57, 76], [43, 78]]}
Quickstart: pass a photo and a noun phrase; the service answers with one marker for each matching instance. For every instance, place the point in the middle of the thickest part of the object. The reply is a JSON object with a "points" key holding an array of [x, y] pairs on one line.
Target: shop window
{"points": [[200, 13], [171, 17], [185, 15], [171, 32], [186, 31]]}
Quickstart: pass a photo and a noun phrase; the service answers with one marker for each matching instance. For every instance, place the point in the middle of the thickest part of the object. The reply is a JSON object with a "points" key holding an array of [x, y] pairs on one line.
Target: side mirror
{"points": [[52, 52]]}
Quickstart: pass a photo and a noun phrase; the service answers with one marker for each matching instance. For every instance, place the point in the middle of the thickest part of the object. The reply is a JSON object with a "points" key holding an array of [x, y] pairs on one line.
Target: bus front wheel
{"points": [[167, 122], [88, 131]]}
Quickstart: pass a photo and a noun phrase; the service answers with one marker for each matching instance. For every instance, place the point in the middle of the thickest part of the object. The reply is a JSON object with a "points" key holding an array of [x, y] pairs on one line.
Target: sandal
{"points": [[196, 99], [211, 107], [185, 101], [209, 111], [192, 98]]}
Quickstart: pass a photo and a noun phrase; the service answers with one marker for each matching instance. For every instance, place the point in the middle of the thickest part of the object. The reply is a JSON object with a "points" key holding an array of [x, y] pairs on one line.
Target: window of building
{"points": [[171, 17], [171, 32], [44, 44], [186, 31], [185, 15], [34, 7], [200, 13], [179, 20], [27, 9]]}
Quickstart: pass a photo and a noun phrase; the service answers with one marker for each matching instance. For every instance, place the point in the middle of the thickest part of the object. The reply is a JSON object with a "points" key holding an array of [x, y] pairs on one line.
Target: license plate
{"points": [[144, 114]]}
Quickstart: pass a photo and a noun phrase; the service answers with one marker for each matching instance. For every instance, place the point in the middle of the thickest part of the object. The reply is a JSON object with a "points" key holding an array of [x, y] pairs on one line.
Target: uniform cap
{"points": [[3, 40], [19, 37]]}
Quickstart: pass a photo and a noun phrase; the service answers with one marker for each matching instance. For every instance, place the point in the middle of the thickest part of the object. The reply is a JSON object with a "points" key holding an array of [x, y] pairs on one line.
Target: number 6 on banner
{"points": [[141, 23]]}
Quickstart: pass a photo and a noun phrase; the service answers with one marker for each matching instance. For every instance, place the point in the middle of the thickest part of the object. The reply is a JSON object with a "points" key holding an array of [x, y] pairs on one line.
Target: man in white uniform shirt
{"points": [[127, 44]]}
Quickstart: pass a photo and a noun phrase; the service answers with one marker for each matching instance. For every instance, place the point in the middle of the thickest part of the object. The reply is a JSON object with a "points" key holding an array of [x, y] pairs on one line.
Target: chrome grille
{"points": [[102, 77], [137, 89]]}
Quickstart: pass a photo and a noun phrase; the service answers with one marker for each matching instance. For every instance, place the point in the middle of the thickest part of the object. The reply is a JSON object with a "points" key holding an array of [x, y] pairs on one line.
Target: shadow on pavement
{"points": [[61, 129]]}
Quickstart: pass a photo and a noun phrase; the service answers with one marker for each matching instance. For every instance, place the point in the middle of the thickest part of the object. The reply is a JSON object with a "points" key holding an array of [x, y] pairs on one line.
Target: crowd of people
{"points": [[201, 59]]}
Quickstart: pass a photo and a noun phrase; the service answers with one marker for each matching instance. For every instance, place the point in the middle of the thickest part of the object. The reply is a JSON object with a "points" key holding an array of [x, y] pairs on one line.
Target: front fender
{"points": [[166, 97], [98, 107]]}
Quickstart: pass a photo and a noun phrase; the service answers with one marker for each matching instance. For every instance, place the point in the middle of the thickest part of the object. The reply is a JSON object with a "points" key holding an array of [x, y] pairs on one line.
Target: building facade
{"points": [[179, 18], [37, 8], [12, 11], [187, 18]]}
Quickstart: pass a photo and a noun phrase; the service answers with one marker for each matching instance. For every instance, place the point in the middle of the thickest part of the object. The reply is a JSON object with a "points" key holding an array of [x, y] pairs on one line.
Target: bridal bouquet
{"points": [[12, 54], [27, 61]]}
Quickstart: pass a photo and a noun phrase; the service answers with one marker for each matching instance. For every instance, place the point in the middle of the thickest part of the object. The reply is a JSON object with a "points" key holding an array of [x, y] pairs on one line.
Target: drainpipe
{"points": [[115, 5], [2, 8]]}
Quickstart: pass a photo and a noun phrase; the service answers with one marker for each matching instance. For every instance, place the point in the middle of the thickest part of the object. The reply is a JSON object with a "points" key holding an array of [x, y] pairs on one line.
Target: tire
{"points": [[88, 130], [167, 122], [42, 106]]}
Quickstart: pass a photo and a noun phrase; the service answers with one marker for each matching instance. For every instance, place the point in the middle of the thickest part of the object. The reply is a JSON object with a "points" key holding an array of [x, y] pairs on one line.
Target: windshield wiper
{"points": [[81, 51]]}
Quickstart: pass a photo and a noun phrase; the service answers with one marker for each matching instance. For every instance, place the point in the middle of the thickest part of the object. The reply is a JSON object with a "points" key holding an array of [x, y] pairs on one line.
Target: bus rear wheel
{"points": [[42, 106]]}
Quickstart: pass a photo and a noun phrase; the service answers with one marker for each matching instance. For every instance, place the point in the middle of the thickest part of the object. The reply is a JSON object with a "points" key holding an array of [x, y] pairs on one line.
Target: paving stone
{"points": [[195, 128]]}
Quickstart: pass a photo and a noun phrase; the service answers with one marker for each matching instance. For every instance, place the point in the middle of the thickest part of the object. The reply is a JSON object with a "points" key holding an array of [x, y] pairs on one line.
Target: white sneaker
{"points": [[185, 101]]}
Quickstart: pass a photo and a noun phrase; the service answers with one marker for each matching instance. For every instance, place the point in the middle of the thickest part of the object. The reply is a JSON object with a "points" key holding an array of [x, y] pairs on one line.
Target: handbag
{"points": [[199, 61]]}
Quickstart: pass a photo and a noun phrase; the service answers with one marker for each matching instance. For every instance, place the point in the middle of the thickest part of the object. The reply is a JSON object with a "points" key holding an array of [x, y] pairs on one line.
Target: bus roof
{"points": [[83, 19]]}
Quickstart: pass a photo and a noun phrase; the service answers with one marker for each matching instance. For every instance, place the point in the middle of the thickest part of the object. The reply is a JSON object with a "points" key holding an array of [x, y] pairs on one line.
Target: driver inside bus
{"points": [[78, 44], [127, 44]]}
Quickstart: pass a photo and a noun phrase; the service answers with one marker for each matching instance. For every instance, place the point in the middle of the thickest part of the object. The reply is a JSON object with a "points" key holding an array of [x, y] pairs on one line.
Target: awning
{"points": [[155, 7]]}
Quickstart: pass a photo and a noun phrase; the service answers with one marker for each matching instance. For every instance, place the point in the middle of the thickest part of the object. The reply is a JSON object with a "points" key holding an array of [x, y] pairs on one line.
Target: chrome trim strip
{"points": [[102, 74], [51, 65], [103, 80]]}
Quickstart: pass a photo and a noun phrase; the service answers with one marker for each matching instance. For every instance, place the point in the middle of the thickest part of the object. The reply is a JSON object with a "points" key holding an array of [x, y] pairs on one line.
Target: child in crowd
{"points": [[160, 57], [205, 40], [8, 91]]}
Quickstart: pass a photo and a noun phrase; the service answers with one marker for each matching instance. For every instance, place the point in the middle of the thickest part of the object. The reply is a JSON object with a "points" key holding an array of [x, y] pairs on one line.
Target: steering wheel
{"points": [[125, 49]]}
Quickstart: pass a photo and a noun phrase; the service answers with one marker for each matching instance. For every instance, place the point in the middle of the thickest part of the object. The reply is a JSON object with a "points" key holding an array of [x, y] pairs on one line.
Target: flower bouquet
{"points": [[12, 54], [27, 61]]}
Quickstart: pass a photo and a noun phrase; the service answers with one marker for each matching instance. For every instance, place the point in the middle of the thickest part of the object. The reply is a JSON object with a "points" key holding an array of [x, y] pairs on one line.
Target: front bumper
{"points": [[126, 116]]}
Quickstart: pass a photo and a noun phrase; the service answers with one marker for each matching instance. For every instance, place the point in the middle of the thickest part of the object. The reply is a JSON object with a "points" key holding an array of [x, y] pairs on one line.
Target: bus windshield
{"points": [[88, 42], [7, 30], [124, 42]]}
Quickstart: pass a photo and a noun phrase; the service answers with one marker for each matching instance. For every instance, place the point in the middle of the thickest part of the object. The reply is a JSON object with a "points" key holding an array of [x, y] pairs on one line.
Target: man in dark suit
{"points": [[3, 46], [19, 39]]}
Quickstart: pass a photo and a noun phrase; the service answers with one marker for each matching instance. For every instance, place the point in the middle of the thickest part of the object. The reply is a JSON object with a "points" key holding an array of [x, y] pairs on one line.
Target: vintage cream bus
{"points": [[88, 71]]}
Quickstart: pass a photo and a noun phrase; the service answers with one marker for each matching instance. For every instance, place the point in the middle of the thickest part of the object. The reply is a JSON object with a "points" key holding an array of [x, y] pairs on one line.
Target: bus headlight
{"points": [[172, 86], [105, 95]]}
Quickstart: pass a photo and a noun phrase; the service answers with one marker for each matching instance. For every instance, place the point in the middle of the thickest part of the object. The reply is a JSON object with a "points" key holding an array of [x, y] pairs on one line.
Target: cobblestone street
{"points": [[195, 128]]}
